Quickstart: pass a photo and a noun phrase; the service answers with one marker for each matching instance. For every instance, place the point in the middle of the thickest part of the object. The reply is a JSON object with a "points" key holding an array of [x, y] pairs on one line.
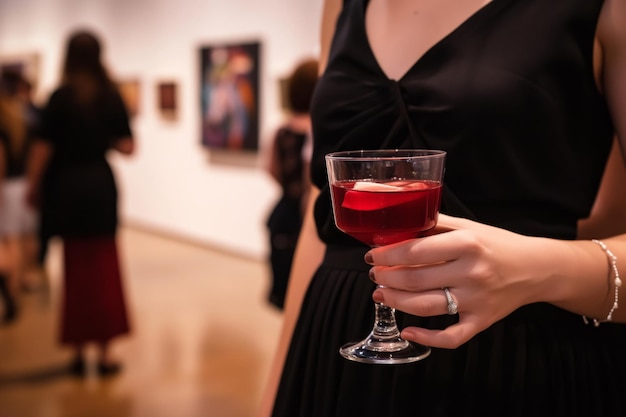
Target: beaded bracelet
{"points": [[617, 282]]}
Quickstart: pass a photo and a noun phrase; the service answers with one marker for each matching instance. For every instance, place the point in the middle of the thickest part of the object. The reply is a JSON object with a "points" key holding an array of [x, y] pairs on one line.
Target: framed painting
{"points": [[230, 96], [130, 91], [167, 99]]}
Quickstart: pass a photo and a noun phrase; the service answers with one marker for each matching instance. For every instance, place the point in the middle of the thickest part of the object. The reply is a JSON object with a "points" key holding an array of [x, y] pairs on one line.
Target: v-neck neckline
{"points": [[438, 44]]}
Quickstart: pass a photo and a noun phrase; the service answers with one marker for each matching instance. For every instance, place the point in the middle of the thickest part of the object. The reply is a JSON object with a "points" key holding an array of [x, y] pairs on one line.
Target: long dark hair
{"points": [[301, 84], [83, 69], [12, 120]]}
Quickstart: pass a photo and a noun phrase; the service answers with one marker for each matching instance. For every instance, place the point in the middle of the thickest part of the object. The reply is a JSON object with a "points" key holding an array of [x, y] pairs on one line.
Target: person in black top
{"points": [[526, 97], [74, 185], [288, 165], [18, 221], [12, 128]]}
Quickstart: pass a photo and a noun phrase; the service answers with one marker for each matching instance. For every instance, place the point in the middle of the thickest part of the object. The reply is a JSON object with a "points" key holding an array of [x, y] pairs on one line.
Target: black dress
{"points": [[79, 204], [510, 95], [285, 220]]}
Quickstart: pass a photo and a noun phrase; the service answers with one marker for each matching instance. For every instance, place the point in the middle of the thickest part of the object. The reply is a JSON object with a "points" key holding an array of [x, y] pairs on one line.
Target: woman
{"points": [[84, 119], [289, 166], [526, 98], [17, 221]]}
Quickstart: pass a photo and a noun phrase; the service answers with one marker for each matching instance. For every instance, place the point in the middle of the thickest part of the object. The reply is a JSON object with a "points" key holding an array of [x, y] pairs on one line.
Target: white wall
{"points": [[172, 184]]}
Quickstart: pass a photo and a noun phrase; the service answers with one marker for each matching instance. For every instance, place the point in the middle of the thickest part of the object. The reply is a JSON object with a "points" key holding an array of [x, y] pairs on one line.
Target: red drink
{"points": [[373, 206], [383, 213]]}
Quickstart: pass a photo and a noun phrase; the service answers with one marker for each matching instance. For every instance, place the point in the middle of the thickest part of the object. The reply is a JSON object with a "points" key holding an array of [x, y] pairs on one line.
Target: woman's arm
{"points": [[273, 165], [38, 159], [330, 13], [307, 258], [608, 216], [310, 249], [491, 272], [125, 145], [612, 38]]}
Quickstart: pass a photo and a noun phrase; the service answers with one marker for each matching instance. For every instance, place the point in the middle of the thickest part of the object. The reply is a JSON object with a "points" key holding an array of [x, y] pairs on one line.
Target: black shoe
{"points": [[109, 368], [10, 314], [10, 306], [78, 367]]}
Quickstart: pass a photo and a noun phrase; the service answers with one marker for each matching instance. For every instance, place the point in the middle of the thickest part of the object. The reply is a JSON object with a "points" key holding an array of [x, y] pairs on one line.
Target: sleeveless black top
{"points": [[509, 94], [289, 144]]}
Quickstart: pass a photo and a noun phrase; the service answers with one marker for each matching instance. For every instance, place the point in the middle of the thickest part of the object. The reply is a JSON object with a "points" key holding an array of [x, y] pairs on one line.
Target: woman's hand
{"points": [[490, 272]]}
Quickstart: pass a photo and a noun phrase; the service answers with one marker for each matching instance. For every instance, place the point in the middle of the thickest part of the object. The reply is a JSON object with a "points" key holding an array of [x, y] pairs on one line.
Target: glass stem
{"points": [[385, 335], [385, 325]]}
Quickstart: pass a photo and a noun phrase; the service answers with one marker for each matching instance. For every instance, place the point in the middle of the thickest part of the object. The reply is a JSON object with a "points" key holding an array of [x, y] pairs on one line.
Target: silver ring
{"points": [[452, 305]]}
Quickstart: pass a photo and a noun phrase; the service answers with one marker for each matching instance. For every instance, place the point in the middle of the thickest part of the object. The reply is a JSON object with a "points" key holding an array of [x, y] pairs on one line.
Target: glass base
{"points": [[375, 351]]}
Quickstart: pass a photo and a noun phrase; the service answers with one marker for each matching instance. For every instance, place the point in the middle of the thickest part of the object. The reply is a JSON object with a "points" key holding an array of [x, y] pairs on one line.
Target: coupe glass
{"points": [[382, 197]]}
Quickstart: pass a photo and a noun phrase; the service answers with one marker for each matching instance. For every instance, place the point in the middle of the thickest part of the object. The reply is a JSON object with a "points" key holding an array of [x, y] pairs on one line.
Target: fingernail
{"points": [[369, 259], [378, 296], [372, 276]]}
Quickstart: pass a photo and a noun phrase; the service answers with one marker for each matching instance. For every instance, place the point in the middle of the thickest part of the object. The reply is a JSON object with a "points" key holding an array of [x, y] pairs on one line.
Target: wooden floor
{"points": [[201, 342]]}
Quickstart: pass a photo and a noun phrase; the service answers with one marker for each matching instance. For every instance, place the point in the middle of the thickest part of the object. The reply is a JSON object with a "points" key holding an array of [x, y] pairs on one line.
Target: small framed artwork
{"points": [[130, 91], [229, 96], [167, 96], [283, 90]]}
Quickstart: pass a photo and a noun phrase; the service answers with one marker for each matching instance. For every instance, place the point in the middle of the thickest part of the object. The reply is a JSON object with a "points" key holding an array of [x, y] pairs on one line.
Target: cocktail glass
{"points": [[382, 197]]}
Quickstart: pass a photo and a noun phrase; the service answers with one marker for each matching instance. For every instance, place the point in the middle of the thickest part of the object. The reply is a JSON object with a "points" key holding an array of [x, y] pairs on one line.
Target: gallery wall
{"points": [[173, 184]]}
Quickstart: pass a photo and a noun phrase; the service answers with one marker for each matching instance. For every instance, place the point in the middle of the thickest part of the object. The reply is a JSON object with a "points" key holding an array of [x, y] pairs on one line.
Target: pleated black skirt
{"points": [[539, 361]]}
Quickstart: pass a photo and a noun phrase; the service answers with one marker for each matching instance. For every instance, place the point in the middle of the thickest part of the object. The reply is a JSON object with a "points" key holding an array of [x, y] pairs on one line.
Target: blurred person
{"points": [[32, 110], [36, 275], [289, 166], [19, 221], [74, 185]]}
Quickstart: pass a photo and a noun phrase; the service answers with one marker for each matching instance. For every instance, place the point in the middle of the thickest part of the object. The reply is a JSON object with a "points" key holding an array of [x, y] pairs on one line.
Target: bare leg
{"points": [[106, 365], [31, 276], [78, 365], [15, 261]]}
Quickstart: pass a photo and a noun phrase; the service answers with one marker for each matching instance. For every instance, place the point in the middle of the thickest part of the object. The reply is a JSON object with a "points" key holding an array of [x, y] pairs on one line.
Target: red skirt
{"points": [[93, 308]]}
